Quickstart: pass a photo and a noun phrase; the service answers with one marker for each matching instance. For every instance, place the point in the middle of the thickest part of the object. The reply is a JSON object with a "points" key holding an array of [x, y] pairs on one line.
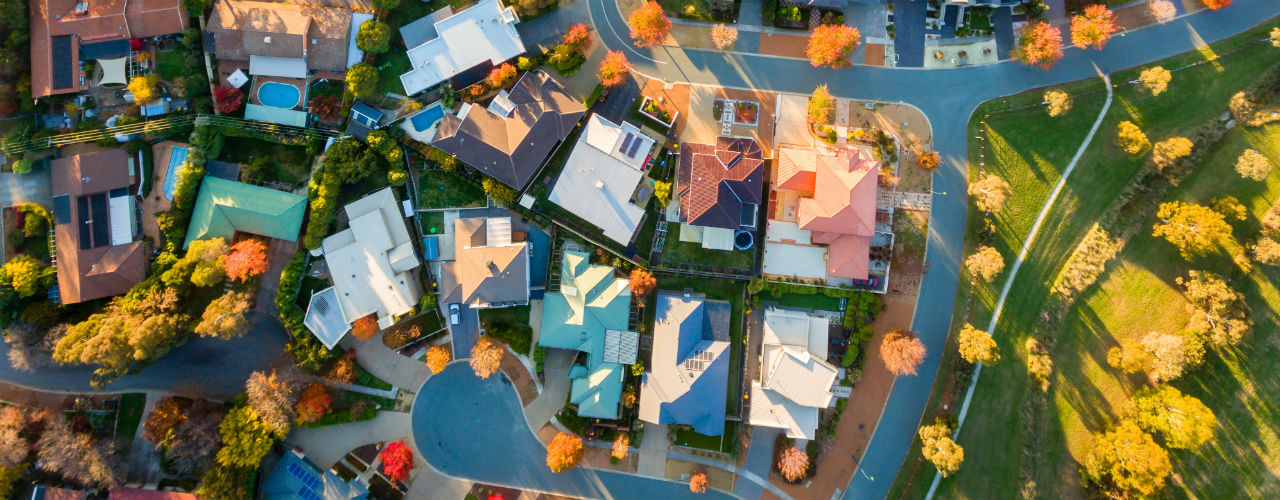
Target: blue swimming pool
{"points": [[279, 95], [177, 156], [427, 118]]}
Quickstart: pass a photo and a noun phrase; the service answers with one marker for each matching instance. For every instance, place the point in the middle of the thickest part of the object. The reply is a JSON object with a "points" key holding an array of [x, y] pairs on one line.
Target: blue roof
{"points": [[365, 114], [295, 478], [691, 361], [432, 247]]}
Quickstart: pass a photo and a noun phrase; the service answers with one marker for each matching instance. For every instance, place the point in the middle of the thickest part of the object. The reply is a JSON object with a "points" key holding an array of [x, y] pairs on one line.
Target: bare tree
{"points": [[273, 398], [75, 456]]}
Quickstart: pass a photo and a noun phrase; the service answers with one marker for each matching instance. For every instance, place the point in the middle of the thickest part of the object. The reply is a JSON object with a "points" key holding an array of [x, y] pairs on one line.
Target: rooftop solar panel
{"points": [[101, 219], [625, 142], [82, 211], [62, 64], [118, 192], [635, 146], [104, 50], [306, 478], [62, 209]]}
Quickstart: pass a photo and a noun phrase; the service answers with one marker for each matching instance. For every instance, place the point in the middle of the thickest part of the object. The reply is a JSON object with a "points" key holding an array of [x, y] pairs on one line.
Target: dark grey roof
{"points": [[424, 29], [104, 50], [62, 63]]}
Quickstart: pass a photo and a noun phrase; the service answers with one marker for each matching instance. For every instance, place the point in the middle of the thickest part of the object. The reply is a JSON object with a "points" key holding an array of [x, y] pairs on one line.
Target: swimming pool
{"points": [[177, 157], [279, 95], [427, 118]]}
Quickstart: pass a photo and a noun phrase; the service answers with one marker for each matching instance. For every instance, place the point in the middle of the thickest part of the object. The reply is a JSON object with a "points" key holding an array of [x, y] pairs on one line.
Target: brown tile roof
{"points": [[482, 274], [715, 182], [318, 32], [104, 20], [511, 148], [842, 211], [88, 271]]}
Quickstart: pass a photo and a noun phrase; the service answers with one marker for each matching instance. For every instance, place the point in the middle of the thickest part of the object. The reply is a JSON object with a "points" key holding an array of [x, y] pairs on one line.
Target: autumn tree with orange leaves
{"points": [[831, 44], [649, 25], [486, 357], [613, 69], [642, 283], [698, 482], [1216, 4], [1039, 44], [1093, 27], [314, 403], [437, 358], [248, 258], [365, 327], [578, 38], [793, 464], [564, 452], [902, 352]]}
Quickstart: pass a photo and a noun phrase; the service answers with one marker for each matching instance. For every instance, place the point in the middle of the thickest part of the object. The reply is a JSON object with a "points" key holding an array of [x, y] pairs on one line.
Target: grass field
{"points": [[1030, 150], [439, 189]]}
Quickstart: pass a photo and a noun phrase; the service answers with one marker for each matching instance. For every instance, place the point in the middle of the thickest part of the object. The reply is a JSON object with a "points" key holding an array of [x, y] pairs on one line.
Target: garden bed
{"points": [[652, 110], [510, 325], [702, 10], [791, 17]]}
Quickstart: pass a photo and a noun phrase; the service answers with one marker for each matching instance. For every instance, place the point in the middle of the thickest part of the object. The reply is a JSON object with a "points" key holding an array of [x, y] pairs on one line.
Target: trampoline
{"points": [[177, 156], [743, 239]]}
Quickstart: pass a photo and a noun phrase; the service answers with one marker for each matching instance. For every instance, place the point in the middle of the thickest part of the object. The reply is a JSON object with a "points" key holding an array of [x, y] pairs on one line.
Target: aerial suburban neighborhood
{"points": [[639, 249]]}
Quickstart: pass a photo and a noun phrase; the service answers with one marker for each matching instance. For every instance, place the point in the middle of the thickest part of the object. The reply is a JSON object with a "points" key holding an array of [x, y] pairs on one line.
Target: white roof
{"points": [[325, 319], [717, 238], [237, 78], [354, 54], [597, 181], [122, 221], [770, 409], [483, 32], [619, 346], [285, 67], [369, 262], [795, 381], [797, 329]]}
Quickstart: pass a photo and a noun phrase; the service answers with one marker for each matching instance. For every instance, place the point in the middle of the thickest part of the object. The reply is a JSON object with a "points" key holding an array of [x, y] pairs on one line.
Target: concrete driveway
{"points": [[464, 333], [908, 30]]}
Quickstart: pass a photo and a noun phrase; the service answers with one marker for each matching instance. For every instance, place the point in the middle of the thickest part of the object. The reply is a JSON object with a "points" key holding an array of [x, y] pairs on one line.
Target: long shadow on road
{"points": [[474, 428]]}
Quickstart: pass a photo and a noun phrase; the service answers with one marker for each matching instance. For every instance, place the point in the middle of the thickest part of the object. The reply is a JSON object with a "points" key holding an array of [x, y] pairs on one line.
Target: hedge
{"points": [[308, 353]]}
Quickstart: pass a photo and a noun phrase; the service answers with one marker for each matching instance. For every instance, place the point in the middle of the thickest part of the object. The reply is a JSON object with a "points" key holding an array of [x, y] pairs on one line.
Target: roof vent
{"points": [[599, 183], [266, 39]]}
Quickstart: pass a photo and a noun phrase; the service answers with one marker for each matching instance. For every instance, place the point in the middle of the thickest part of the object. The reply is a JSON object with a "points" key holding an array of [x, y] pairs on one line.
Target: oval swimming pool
{"points": [[279, 95]]}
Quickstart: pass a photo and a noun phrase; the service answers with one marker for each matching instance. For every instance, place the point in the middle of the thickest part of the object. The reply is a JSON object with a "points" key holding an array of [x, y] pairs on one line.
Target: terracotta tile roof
{"points": [[319, 33], [90, 270], [715, 182], [511, 148], [53, 56], [842, 211], [796, 169]]}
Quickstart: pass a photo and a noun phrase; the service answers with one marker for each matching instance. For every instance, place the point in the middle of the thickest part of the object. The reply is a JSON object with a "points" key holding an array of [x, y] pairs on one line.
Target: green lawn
{"points": [[717, 289], [363, 377], [390, 66], [290, 164], [440, 189], [432, 222], [130, 415], [1030, 150], [510, 325], [674, 250], [807, 301], [722, 443], [175, 63]]}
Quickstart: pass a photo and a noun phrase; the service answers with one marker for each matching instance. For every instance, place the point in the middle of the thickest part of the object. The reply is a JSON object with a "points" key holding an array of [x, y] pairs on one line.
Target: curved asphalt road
{"points": [[948, 98], [475, 429], [201, 367]]}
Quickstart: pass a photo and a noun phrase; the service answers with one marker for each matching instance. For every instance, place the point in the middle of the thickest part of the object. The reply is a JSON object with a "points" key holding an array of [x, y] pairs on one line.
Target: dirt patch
{"points": [[520, 378], [912, 178], [598, 458], [905, 122], [875, 54], [156, 203], [784, 45], [690, 37]]}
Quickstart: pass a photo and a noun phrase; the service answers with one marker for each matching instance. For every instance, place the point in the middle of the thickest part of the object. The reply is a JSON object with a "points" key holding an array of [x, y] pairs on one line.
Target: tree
{"points": [[830, 45], [245, 439], [1216, 4], [1057, 102], [344, 369], [1184, 421], [1229, 207], [977, 346], [1241, 106], [1126, 463], [486, 357], [1093, 27], [929, 160], [724, 36], [821, 105], [248, 258], [1155, 80], [365, 327], [348, 160], [226, 317], [132, 330], [1130, 138], [1161, 11], [227, 99], [75, 455], [1193, 229], [1169, 150], [1039, 44], [1275, 36], [397, 461], [1253, 165], [642, 283], [8, 476], [500, 76], [143, 88], [374, 37], [1039, 365], [662, 191], [225, 483], [362, 80], [793, 464], [620, 446], [939, 449], [325, 107], [649, 25], [386, 4], [314, 403], [22, 167], [14, 443], [990, 193], [564, 452], [166, 413], [203, 265], [437, 358], [902, 352], [26, 275], [1168, 355], [273, 398], [629, 396], [194, 442], [1218, 312], [613, 69], [1266, 250], [577, 38], [985, 263], [498, 192]]}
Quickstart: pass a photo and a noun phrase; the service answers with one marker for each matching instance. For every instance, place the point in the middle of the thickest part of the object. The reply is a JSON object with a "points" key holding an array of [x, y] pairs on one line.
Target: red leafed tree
{"points": [[248, 258], [831, 44], [365, 328], [1217, 4], [314, 403], [1039, 44], [578, 37], [397, 461], [228, 98], [501, 76], [613, 69], [649, 25], [1094, 27], [325, 107]]}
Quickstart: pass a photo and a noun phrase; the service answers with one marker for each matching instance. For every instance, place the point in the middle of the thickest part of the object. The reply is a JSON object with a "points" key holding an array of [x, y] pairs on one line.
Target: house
{"points": [[45, 492], [371, 265], [688, 380], [67, 33], [95, 225], [795, 380], [511, 138], [364, 119], [720, 187], [490, 266], [824, 204], [224, 207], [140, 494], [601, 176], [296, 478], [286, 39], [444, 44], [591, 314]]}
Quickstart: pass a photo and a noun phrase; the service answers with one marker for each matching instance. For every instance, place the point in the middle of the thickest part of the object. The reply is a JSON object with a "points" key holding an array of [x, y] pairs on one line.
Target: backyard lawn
{"points": [[1030, 150], [175, 63], [807, 301], [701, 10], [440, 189], [722, 443], [290, 164], [674, 250], [510, 325]]}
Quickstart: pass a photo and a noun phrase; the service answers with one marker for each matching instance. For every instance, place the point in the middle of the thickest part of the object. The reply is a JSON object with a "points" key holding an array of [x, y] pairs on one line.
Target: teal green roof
{"points": [[224, 207]]}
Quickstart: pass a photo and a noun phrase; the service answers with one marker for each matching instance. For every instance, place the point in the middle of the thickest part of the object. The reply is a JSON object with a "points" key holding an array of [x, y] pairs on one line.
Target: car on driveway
{"points": [[453, 314]]}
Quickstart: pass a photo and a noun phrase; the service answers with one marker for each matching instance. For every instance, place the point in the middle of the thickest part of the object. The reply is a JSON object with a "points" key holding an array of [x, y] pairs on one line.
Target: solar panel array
{"points": [[635, 145], [626, 142], [310, 483]]}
